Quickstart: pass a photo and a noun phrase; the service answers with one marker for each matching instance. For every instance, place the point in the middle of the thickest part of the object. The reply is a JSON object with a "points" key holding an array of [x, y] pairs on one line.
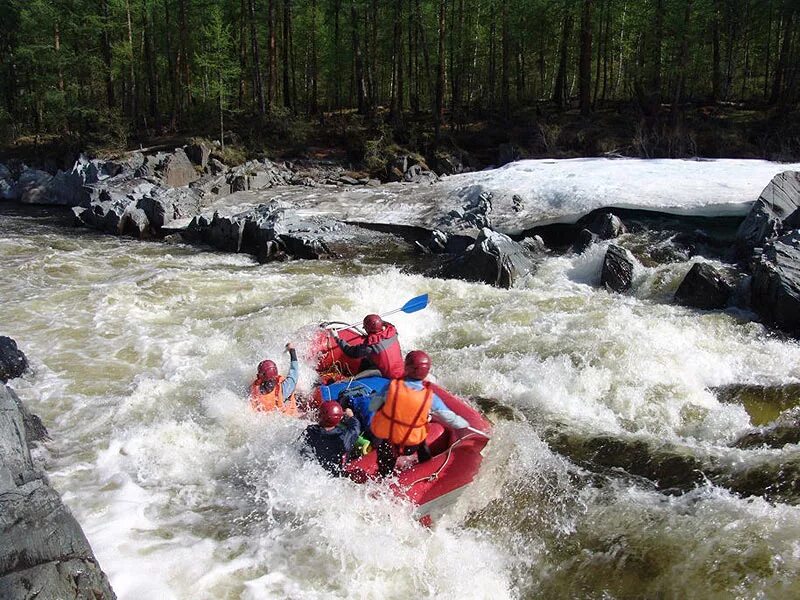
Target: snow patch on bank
{"points": [[530, 193]]}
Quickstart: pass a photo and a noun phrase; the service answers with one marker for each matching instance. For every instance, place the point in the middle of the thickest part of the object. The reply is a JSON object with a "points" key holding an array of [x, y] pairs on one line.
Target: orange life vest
{"points": [[403, 418], [267, 401]]}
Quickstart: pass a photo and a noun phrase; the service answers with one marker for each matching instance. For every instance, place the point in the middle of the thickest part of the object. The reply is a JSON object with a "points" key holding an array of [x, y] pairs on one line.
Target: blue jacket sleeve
{"points": [[290, 383], [444, 415]]}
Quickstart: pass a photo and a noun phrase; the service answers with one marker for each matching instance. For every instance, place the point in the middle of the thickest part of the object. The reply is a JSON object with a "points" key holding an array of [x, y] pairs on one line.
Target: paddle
{"points": [[412, 306], [479, 432]]}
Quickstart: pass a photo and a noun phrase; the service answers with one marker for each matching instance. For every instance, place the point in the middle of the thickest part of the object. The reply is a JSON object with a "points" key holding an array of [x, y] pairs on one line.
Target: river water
{"points": [[142, 353]]}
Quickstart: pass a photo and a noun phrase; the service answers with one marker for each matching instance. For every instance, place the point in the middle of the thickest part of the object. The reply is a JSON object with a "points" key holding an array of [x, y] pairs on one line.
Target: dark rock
{"points": [[44, 553], [775, 294], [784, 430], [163, 206], [617, 273], [216, 167], [150, 165], [705, 287], [176, 170], [7, 183], [416, 174], [347, 180], [13, 362], [212, 186], [109, 212], [605, 225], [33, 187], [776, 211], [199, 153], [449, 163], [257, 175], [474, 214], [584, 239], [495, 259]]}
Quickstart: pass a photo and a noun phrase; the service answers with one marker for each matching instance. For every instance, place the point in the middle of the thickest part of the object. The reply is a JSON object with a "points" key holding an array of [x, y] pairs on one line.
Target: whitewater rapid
{"points": [[142, 353]]}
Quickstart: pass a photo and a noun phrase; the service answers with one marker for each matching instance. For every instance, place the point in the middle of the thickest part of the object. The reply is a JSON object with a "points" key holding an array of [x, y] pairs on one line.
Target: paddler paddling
{"points": [[380, 348], [402, 410], [270, 391]]}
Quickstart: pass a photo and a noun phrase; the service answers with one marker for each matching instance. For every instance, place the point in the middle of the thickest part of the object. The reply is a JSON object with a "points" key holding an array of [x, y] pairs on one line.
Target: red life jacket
{"points": [[274, 400], [385, 353], [403, 418]]}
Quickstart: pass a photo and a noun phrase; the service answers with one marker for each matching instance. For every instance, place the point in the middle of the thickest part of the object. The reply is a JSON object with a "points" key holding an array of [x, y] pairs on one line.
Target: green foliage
{"points": [[187, 64]]}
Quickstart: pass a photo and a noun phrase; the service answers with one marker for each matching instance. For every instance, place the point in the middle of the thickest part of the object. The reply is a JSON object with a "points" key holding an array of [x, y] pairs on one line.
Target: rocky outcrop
{"points": [[199, 152], [13, 362], [776, 211], [617, 273], [176, 170], [705, 287], [43, 552], [775, 291], [495, 259], [33, 187], [274, 231]]}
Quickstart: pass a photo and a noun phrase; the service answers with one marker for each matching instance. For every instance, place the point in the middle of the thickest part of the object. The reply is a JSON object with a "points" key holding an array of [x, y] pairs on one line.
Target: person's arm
{"points": [[359, 351], [290, 383], [352, 429], [446, 416]]}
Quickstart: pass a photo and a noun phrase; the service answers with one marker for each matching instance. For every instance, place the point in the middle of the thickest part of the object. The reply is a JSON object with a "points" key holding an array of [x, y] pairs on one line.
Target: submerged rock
{"points": [[44, 553], [13, 362], [705, 287], [776, 211], [617, 273], [495, 259], [784, 430], [775, 292], [763, 403]]}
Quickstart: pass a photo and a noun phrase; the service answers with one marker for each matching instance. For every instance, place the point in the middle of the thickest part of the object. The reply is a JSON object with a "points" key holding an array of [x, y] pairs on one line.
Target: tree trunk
{"points": [[361, 90], [506, 52], [561, 75], [132, 66], [397, 65], [439, 116], [106, 51], [287, 26], [150, 58], [272, 58], [258, 82], [783, 57], [680, 67], [716, 71], [57, 46], [585, 60], [244, 11], [313, 107]]}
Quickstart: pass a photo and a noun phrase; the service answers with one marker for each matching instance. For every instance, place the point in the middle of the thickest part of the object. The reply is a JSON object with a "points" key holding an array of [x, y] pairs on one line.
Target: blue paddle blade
{"points": [[415, 304]]}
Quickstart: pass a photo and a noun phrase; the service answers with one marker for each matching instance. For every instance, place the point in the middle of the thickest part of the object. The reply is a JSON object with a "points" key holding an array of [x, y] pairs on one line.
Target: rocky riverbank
{"points": [[476, 231], [43, 551]]}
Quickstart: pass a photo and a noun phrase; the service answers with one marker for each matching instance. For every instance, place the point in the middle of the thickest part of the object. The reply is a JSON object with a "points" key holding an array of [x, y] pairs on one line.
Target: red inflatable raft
{"points": [[435, 484]]}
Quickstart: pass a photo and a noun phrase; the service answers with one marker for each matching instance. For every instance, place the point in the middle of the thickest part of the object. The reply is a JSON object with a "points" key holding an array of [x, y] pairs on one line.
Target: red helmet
{"points": [[373, 324], [418, 364], [267, 370], [330, 413]]}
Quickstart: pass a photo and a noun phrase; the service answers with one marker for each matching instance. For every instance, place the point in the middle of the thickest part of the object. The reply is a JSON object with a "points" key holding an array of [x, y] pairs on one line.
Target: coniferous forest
{"points": [[642, 77]]}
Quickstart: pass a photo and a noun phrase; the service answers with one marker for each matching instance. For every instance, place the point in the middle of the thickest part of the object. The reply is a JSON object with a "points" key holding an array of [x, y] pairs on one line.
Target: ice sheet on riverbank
{"points": [[528, 193]]}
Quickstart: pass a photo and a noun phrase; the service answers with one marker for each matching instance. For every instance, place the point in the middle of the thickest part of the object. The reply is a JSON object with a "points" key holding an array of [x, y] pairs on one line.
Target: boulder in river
{"points": [[199, 152], [7, 183], [13, 362], [617, 273], [776, 211], [495, 259], [705, 287], [775, 291], [43, 553], [33, 187]]}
